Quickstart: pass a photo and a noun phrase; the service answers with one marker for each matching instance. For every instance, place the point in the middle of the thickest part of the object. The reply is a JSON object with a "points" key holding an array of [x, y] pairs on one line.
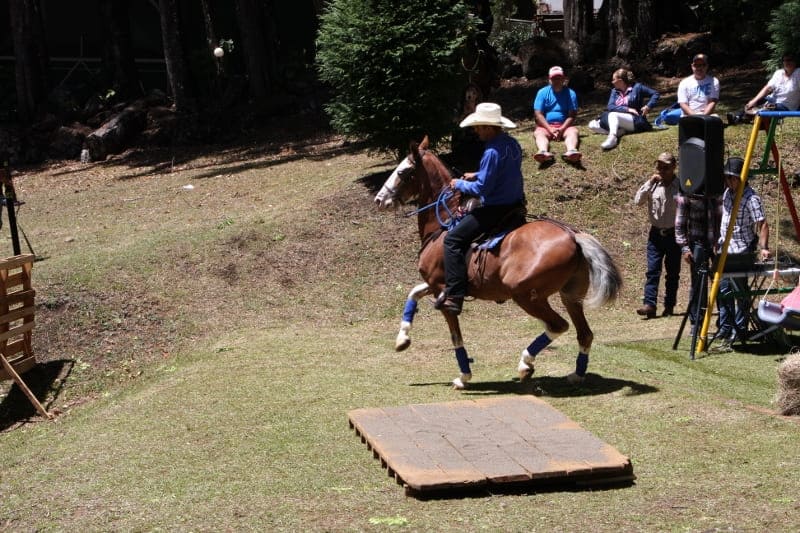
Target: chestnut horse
{"points": [[530, 264]]}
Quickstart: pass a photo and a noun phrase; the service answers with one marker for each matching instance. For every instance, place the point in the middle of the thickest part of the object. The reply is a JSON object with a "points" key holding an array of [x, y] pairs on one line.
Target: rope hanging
{"points": [[776, 239]]}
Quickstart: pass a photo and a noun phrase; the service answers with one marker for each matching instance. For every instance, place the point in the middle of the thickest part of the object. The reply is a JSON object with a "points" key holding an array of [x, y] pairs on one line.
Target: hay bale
{"points": [[788, 397]]}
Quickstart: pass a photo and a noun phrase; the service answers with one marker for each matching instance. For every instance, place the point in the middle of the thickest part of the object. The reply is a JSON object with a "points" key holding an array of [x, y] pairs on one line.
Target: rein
{"points": [[445, 195], [422, 209], [440, 203]]}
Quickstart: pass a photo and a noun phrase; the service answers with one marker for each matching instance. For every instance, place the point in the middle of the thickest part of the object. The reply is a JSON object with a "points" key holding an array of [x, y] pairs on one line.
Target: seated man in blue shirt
{"points": [[555, 108], [498, 183]]}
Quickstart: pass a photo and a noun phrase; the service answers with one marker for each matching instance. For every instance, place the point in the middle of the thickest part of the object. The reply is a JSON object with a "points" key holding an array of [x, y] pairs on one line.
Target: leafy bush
{"points": [[509, 39], [784, 37], [394, 68], [739, 25]]}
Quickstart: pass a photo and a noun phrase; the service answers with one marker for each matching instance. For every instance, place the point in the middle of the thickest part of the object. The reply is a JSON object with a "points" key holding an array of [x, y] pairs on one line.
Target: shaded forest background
{"points": [[99, 75]]}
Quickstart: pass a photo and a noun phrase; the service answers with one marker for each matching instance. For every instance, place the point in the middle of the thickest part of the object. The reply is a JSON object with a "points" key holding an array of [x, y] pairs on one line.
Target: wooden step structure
{"points": [[489, 444], [17, 312]]}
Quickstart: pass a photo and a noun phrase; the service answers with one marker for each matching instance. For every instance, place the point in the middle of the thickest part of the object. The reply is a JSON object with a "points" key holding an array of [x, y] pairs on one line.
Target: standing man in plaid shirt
{"points": [[697, 224], [750, 233]]}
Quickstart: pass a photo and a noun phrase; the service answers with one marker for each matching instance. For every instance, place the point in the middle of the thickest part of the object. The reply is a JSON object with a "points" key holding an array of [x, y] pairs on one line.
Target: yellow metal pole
{"points": [[712, 296]]}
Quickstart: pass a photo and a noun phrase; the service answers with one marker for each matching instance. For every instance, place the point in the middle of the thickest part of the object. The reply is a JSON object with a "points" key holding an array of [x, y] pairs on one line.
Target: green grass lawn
{"points": [[211, 341]]}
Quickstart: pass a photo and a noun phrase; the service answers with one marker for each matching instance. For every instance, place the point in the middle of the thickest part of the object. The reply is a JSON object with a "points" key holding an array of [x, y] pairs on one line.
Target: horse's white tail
{"points": [[605, 281]]}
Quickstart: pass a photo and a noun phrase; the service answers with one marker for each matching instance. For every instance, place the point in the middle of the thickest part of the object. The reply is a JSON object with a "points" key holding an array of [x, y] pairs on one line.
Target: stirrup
{"points": [[439, 302]]}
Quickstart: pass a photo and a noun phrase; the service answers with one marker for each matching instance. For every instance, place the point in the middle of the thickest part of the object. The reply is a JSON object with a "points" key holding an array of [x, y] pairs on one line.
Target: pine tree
{"points": [[394, 68]]}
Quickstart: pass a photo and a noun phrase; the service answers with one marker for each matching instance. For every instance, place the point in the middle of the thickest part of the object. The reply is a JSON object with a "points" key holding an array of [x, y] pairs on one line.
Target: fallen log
{"points": [[113, 135]]}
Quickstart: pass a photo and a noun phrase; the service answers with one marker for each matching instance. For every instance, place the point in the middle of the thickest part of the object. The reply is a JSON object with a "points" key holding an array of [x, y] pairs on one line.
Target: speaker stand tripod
{"points": [[699, 301]]}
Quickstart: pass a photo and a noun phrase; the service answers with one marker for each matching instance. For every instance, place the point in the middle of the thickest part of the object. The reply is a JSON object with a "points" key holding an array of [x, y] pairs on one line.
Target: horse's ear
{"points": [[416, 147]]}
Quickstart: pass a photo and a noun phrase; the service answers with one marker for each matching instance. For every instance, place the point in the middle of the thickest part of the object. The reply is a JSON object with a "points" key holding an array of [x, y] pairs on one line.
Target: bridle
{"points": [[440, 204], [402, 176]]}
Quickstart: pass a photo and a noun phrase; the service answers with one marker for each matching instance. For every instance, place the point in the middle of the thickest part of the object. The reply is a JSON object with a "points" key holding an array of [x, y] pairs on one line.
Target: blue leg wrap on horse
{"points": [[463, 360], [582, 363], [410, 310], [541, 342]]}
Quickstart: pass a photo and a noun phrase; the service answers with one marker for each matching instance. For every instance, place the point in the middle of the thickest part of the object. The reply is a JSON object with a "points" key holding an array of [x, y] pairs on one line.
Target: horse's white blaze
{"points": [[385, 197]]}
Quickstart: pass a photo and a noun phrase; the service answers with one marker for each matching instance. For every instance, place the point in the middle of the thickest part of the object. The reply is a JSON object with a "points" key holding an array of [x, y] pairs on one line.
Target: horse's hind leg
{"points": [[461, 353], [584, 335], [554, 326], [403, 340]]}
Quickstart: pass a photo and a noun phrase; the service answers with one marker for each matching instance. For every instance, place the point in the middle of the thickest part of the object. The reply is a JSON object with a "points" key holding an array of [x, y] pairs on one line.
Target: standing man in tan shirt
{"points": [[659, 191]]}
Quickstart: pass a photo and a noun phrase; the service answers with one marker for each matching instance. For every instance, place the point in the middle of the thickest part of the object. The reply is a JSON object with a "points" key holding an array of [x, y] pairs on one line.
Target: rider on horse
{"points": [[498, 183]]}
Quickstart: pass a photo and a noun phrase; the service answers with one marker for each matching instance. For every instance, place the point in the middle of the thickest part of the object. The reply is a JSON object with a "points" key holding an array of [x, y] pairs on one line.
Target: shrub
{"points": [[394, 68], [740, 26], [509, 39], [784, 37]]}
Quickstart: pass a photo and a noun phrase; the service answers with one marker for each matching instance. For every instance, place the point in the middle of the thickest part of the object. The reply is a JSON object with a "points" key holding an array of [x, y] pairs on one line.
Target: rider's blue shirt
{"points": [[499, 178]]}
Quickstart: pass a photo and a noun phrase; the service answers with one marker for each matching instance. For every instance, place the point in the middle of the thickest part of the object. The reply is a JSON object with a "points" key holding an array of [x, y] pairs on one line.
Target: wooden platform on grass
{"points": [[471, 444]]}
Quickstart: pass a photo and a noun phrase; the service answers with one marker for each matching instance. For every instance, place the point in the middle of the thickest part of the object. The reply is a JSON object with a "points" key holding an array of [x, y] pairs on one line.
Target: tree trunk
{"points": [[173, 54], [211, 40], [675, 16], [645, 27], [119, 48], [30, 56], [621, 27], [578, 22], [258, 42], [631, 27]]}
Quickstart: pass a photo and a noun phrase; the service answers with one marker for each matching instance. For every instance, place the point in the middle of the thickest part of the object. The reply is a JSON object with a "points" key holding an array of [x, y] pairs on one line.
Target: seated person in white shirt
{"points": [[698, 94], [781, 93]]}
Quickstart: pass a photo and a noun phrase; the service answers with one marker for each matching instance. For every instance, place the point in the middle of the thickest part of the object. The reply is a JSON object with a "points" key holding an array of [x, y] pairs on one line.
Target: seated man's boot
{"points": [[736, 118]]}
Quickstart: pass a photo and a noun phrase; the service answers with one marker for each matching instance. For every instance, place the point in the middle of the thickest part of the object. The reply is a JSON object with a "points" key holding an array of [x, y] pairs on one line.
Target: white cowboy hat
{"points": [[487, 114]]}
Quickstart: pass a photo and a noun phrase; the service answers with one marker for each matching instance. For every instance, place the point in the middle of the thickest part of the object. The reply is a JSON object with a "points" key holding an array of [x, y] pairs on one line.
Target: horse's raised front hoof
{"points": [[525, 367], [575, 379], [460, 383], [402, 342]]}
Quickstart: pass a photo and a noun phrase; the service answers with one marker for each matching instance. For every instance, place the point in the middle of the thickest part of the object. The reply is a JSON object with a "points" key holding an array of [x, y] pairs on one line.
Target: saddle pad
{"points": [[493, 241]]}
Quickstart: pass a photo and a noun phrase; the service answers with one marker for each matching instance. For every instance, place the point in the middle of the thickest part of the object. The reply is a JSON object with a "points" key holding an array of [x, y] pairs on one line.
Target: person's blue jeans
{"points": [[732, 311], [662, 250]]}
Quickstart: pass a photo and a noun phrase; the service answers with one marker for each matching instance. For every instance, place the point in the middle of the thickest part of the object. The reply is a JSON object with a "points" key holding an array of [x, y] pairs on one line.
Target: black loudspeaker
{"points": [[701, 153]]}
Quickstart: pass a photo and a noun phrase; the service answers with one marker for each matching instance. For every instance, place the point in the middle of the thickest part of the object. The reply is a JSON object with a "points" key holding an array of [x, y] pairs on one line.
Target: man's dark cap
{"points": [[733, 166]]}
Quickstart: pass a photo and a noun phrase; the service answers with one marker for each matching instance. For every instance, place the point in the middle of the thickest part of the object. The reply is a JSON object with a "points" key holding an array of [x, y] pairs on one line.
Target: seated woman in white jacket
{"points": [[628, 106]]}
